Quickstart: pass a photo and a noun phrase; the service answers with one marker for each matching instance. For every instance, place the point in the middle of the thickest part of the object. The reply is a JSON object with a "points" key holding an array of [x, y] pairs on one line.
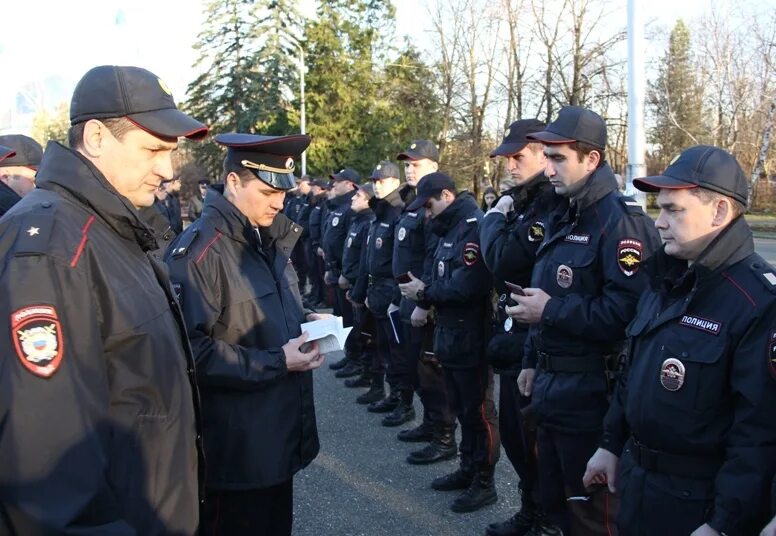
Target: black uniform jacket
{"points": [[107, 443], [460, 286], [589, 264], [354, 246], [380, 252], [315, 219], [241, 303], [8, 198], [509, 245], [413, 250], [701, 374], [334, 230]]}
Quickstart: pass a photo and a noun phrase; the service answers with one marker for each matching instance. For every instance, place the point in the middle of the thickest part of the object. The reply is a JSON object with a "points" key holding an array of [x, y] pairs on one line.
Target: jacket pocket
{"points": [[691, 375]]}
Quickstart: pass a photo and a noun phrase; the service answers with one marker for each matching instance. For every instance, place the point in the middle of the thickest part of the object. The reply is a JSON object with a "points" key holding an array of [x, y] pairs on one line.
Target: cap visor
{"points": [[170, 123], [6, 152], [409, 155], [508, 149], [658, 182], [418, 202], [545, 136]]}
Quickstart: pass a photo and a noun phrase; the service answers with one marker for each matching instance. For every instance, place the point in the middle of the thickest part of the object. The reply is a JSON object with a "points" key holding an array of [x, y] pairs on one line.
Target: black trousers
{"points": [[315, 273], [470, 392], [258, 512], [518, 436], [299, 260], [563, 458], [389, 352]]}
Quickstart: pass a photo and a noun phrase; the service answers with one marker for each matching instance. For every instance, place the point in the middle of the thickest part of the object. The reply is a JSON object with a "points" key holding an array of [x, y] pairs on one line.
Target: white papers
{"points": [[328, 332]]}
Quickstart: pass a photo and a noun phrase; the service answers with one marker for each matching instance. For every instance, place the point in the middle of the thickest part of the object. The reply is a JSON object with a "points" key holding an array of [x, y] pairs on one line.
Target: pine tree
{"points": [[676, 99]]}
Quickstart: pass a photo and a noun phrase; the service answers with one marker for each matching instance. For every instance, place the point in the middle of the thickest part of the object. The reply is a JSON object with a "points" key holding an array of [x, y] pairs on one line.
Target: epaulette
{"points": [[471, 220], [186, 240], [765, 274], [631, 205], [35, 231]]}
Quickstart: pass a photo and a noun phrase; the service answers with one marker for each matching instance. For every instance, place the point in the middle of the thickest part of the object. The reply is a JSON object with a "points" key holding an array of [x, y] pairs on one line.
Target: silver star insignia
{"points": [[32, 231]]}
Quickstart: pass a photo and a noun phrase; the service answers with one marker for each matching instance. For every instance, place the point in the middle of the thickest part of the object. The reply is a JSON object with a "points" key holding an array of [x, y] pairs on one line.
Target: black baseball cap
{"points": [[701, 166], [574, 124], [368, 188], [6, 152], [112, 91], [346, 174], [385, 170], [270, 158], [429, 186], [204, 182], [420, 149], [320, 183], [28, 151], [515, 137]]}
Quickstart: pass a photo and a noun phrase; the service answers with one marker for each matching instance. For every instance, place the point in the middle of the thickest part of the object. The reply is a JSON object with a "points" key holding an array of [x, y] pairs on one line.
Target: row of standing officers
{"points": [[145, 397]]}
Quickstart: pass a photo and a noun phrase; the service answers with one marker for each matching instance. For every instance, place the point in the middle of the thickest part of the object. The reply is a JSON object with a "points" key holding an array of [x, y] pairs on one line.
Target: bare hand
{"points": [[770, 528], [320, 253], [298, 361], [704, 530], [525, 381], [318, 316], [419, 317], [529, 308], [344, 284], [601, 469], [410, 290]]}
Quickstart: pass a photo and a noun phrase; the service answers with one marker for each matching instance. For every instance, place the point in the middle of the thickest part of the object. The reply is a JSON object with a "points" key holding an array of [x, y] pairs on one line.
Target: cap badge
{"points": [[164, 87], [413, 145], [340, 171], [564, 276], [378, 167], [290, 163], [441, 268], [402, 234], [507, 132], [672, 374], [37, 337]]}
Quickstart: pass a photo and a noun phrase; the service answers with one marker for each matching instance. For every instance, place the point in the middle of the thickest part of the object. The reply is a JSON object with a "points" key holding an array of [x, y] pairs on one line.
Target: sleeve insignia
{"points": [[629, 254], [471, 253], [772, 353], [37, 338], [536, 232]]}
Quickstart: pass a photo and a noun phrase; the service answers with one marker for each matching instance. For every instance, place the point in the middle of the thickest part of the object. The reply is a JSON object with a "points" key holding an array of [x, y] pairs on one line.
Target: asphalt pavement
{"points": [[360, 484]]}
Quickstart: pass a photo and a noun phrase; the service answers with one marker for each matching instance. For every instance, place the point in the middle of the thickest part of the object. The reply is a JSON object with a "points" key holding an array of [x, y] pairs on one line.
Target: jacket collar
{"points": [[382, 206], [69, 173], [459, 209], [341, 201], [599, 184], [530, 190]]}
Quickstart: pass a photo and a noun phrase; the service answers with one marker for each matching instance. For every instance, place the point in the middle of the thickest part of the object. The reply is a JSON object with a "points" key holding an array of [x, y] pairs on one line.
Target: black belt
{"points": [[681, 465], [380, 280], [553, 363]]}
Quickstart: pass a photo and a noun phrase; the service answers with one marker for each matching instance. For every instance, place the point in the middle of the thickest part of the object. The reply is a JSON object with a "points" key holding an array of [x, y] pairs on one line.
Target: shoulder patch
{"points": [[629, 256], [37, 338], [471, 253], [183, 244]]}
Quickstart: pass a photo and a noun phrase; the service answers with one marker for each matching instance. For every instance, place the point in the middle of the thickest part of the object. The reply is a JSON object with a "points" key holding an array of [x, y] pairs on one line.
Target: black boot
{"points": [[461, 478], [480, 493], [349, 370], [442, 447], [386, 405], [520, 523], [404, 412], [420, 434], [376, 391], [365, 380], [339, 364], [543, 527]]}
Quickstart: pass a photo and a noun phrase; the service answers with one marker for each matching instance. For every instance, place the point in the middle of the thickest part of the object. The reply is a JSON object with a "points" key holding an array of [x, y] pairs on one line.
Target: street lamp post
{"points": [[302, 118]]}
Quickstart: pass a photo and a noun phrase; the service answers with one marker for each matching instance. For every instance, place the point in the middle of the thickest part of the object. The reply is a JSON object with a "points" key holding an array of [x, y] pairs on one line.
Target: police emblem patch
{"points": [[37, 337], [536, 232], [402, 234], [629, 252], [772, 353], [350, 241], [441, 268], [564, 276], [378, 242], [334, 221], [672, 374], [471, 253]]}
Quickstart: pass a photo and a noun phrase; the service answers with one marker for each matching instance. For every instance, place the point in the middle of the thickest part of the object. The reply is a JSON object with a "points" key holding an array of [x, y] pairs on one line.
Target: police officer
{"points": [[17, 172], [585, 285], [387, 206], [413, 252], [172, 202], [460, 293], [353, 280], [196, 201], [97, 393], [692, 418], [510, 234], [298, 211], [314, 260], [243, 311]]}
